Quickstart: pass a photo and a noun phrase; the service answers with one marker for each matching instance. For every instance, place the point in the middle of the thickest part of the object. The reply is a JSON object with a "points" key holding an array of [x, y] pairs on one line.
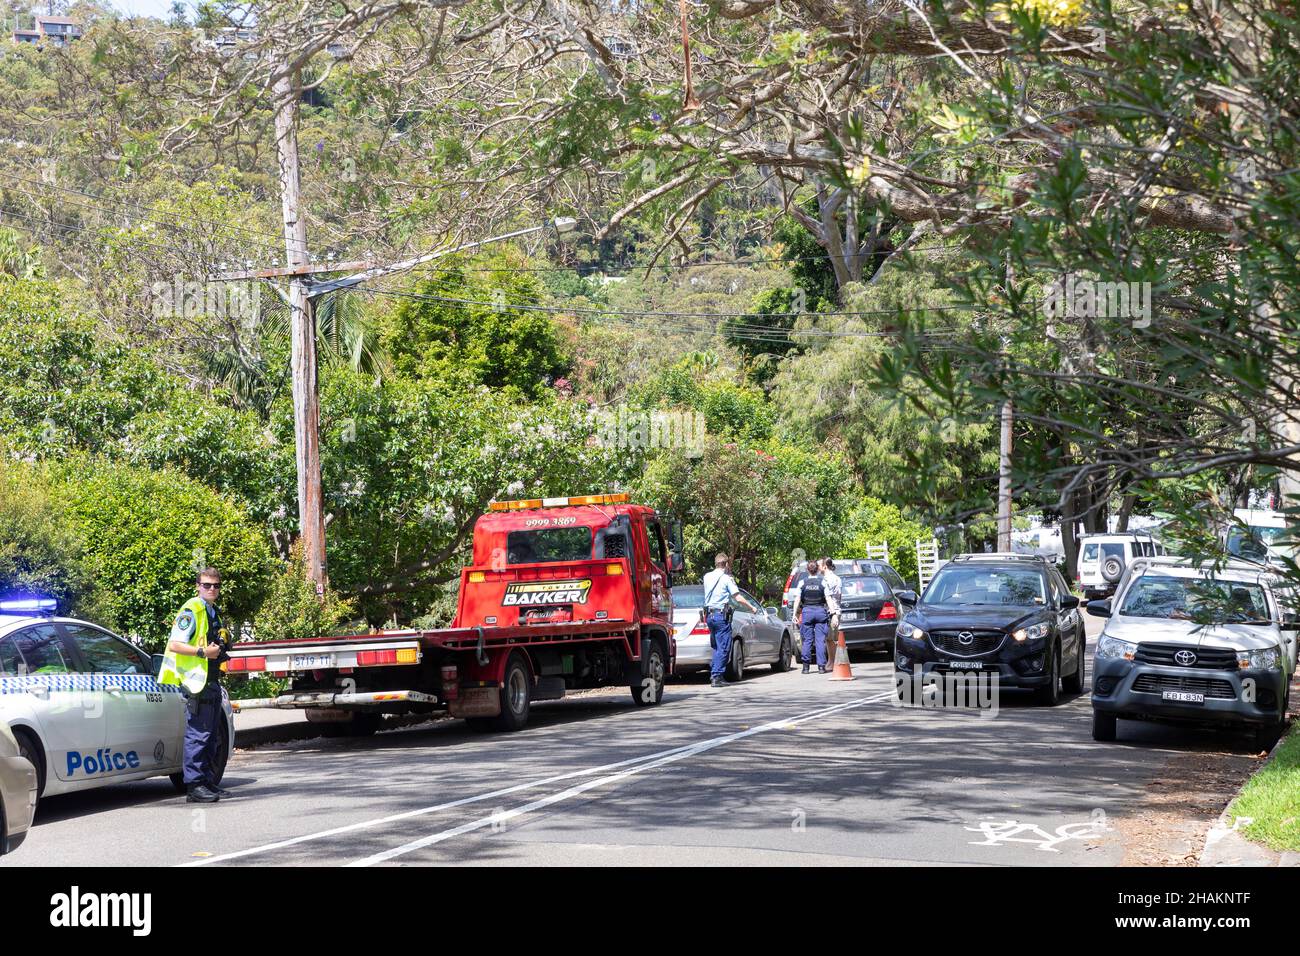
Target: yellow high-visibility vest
{"points": [[190, 627]]}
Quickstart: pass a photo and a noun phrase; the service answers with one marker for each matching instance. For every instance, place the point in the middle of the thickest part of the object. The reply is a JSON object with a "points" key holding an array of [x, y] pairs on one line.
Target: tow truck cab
{"points": [[540, 563]]}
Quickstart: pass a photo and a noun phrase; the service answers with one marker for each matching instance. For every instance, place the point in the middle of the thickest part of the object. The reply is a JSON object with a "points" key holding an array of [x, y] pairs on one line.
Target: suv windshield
{"points": [[966, 585], [1196, 599]]}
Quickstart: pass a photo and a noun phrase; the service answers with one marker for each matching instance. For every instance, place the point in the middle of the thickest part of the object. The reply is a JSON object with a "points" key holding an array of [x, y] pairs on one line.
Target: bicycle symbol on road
{"points": [[999, 833]]}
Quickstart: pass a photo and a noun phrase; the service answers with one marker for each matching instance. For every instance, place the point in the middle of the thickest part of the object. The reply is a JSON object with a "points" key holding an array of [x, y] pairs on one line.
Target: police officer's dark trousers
{"points": [[202, 736], [813, 629], [720, 633]]}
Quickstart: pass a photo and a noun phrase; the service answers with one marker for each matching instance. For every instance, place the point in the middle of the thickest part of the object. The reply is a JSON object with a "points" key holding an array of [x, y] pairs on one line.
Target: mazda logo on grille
{"points": [[965, 638], [1186, 658]]}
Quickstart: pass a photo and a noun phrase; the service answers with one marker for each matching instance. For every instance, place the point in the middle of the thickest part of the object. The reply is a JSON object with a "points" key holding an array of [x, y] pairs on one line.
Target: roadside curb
{"points": [[307, 730], [1225, 846]]}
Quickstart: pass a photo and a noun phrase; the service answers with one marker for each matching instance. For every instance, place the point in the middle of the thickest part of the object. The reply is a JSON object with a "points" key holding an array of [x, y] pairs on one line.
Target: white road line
{"points": [[496, 794], [500, 818]]}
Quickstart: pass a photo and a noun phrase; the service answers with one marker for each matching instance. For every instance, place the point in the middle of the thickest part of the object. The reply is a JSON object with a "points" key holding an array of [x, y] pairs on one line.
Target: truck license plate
{"points": [[1183, 697], [310, 662], [966, 665]]}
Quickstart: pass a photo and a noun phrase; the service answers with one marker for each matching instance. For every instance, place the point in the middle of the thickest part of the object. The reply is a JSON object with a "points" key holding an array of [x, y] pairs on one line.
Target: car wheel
{"points": [[1103, 726], [1074, 683], [516, 695], [736, 666], [1266, 737], [1050, 695], [651, 689], [782, 662], [30, 749]]}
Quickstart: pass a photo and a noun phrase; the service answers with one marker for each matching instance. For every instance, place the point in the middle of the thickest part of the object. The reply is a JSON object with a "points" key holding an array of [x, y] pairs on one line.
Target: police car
{"points": [[85, 705]]}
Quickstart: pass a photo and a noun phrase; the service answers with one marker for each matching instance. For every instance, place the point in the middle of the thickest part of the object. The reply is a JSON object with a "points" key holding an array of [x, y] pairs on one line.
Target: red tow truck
{"points": [[563, 593]]}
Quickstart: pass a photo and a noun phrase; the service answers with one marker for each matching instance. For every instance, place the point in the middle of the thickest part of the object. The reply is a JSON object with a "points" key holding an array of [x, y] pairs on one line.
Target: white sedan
{"points": [[85, 705]]}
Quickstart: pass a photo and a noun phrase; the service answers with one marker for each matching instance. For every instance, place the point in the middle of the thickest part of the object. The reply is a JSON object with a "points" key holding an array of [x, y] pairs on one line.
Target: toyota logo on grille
{"points": [[965, 638], [1186, 658]]}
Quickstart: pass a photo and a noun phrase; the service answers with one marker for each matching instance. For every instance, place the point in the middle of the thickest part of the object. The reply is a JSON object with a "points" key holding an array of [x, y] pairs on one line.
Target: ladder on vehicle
{"points": [[927, 560]]}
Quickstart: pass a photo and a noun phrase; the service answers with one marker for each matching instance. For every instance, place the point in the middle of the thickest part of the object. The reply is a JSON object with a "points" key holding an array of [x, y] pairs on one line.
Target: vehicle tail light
{"points": [[700, 628], [246, 664], [887, 612], [371, 658], [450, 682]]}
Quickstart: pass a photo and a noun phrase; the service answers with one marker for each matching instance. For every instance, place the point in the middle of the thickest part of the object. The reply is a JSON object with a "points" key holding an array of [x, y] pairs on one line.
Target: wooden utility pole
{"points": [[1004, 481], [302, 330]]}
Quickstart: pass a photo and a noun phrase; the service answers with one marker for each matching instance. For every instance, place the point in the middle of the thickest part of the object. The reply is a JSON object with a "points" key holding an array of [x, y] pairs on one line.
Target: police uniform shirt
{"points": [[813, 592], [718, 587]]}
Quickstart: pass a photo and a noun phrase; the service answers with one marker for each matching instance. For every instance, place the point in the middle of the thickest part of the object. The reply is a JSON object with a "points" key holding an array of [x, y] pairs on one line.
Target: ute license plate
{"points": [[310, 662], [1183, 697], [966, 665]]}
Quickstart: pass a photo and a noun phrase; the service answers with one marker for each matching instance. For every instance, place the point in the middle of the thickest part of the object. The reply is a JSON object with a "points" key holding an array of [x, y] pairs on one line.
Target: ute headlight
{"points": [[909, 631], [1113, 649], [1033, 632], [1267, 659]]}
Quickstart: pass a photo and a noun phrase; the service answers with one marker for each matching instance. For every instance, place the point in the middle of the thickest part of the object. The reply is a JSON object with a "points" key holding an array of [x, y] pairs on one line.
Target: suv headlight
{"points": [[1033, 632], [1267, 659], [1113, 649], [909, 631]]}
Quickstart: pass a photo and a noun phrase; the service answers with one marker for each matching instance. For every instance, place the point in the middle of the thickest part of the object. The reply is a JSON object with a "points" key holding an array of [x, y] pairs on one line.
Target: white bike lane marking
{"points": [[517, 788], [654, 760]]}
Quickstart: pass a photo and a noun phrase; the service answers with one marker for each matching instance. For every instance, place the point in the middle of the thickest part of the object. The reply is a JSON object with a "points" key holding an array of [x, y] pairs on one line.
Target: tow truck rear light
{"points": [[613, 569], [450, 682], [887, 612], [526, 503], [246, 664], [405, 655]]}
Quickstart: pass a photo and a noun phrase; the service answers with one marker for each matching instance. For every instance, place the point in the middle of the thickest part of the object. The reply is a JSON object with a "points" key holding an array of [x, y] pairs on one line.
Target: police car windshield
{"points": [[690, 595], [1196, 599], [966, 585]]}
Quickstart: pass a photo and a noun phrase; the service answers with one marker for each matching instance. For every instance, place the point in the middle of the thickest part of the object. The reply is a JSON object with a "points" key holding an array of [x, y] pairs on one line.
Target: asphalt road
{"points": [[783, 769]]}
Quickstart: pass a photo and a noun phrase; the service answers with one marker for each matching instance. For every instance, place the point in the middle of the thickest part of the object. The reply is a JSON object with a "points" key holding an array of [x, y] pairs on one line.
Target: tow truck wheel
{"points": [[651, 689], [516, 688]]}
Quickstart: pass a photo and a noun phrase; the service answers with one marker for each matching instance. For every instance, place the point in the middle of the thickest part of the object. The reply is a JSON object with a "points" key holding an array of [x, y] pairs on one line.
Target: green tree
{"points": [[464, 327], [148, 533], [40, 553]]}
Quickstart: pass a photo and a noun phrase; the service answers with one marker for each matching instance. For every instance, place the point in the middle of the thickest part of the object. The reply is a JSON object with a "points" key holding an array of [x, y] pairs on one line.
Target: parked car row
{"points": [[1182, 642]]}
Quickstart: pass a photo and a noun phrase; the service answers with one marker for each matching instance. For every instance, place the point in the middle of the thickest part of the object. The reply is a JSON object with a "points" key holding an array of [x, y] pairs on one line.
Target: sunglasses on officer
{"points": [[209, 585]]}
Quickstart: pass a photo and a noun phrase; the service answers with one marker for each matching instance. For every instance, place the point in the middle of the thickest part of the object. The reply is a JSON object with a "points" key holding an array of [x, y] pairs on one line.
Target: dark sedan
{"points": [[868, 611]]}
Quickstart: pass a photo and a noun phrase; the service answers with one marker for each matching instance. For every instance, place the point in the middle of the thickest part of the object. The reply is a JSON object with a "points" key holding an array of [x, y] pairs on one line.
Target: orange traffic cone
{"points": [[843, 669]]}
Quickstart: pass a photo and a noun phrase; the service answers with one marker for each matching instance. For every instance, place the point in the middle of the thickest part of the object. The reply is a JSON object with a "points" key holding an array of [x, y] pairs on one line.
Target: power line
{"points": [[229, 228], [751, 328], [69, 228]]}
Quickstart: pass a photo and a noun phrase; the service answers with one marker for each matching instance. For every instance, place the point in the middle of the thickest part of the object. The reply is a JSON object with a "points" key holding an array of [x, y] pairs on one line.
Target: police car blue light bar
{"points": [[28, 604]]}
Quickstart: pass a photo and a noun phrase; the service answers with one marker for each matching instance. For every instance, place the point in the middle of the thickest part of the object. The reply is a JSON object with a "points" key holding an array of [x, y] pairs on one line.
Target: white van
{"points": [[1103, 558], [1264, 537]]}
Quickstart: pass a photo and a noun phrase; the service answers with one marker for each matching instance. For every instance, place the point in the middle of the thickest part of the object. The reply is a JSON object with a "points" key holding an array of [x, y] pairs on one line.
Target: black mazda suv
{"points": [[1004, 614]]}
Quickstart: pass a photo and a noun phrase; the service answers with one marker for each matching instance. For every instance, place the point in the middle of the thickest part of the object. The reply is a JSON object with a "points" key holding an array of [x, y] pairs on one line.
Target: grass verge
{"points": [[1271, 798]]}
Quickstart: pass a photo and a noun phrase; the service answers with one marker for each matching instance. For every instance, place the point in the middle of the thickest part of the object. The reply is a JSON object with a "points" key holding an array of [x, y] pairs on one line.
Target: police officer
{"points": [[834, 594], [719, 588], [197, 646], [810, 613]]}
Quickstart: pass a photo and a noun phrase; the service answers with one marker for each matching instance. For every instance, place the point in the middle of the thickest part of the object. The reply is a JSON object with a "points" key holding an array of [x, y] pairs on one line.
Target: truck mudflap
{"points": [[308, 699]]}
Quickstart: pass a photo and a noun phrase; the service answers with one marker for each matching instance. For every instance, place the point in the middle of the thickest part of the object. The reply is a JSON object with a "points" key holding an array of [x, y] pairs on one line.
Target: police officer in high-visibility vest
{"points": [[195, 650]]}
